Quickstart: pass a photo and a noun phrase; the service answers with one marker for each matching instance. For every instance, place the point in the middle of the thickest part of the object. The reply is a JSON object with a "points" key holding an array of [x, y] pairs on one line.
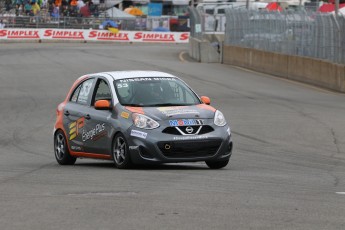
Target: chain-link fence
{"points": [[195, 23], [66, 22], [202, 22], [295, 33]]}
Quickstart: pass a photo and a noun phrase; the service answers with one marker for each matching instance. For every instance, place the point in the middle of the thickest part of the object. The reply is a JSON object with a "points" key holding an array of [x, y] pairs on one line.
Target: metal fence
{"points": [[43, 21], [299, 33], [195, 23], [202, 22]]}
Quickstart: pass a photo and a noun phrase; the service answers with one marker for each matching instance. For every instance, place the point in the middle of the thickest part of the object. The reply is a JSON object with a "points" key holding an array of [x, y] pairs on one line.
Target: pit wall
{"points": [[208, 49], [308, 70]]}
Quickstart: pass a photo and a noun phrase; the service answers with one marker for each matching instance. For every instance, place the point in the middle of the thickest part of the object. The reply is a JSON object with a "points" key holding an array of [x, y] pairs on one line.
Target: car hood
{"points": [[176, 112]]}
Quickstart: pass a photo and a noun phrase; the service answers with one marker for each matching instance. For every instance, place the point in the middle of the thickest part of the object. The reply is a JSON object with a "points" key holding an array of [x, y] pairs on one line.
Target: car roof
{"points": [[136, 73]]}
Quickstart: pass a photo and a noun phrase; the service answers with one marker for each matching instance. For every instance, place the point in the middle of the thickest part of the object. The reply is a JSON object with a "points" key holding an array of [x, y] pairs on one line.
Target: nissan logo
{"points": [[189, 130]]}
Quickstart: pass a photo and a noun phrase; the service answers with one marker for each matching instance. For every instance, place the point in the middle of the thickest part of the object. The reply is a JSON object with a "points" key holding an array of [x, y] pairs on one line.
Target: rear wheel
{"points": [[217, 164], [62, 154], [120, 152]]}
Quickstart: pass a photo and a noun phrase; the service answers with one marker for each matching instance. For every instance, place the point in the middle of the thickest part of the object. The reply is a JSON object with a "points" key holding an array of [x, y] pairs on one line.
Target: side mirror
{"points": [[102, 105], [205, 100]]}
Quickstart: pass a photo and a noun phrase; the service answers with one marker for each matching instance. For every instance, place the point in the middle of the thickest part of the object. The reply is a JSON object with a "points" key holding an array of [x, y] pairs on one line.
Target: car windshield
{"points": [[154, 91]]}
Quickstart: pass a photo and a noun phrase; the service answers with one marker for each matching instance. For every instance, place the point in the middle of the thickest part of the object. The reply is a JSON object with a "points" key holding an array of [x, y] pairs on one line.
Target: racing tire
{"points": [[61, 150], [217, 164], [120, 152]]}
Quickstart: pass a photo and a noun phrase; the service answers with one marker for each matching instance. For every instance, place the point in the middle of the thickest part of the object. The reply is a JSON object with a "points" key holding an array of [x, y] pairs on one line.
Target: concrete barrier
{"points": [[308, 70], [205, 50], [194, 48]]}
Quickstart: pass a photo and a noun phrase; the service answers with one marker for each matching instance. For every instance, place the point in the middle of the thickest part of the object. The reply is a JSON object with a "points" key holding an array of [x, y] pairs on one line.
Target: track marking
{"points": [[340, 193], [181, 56], [316, 88]]}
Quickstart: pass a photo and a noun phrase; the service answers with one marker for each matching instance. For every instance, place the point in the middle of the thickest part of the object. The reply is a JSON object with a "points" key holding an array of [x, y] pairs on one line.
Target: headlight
{"points": [[144, 122], [219, 119]]}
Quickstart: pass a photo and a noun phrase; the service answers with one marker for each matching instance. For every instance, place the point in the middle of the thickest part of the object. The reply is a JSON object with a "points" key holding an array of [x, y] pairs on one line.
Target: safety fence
{"points": [[160, 24], [201, 22], [303, 33]]}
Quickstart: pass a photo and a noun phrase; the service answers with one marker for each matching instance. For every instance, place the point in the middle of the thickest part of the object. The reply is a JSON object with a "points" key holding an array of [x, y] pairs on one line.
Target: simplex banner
{"points": [[93, 35]]}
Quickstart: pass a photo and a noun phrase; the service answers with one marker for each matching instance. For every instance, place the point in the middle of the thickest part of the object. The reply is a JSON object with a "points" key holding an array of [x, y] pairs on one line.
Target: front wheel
{"points": [[61, 150], [120, 152], [217, 164]]}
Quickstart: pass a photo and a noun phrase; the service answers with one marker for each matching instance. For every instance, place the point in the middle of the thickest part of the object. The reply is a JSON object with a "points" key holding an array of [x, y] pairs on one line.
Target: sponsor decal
{"points": [[95, 133], [76, 148], [133, 147], [136, 133], [66, 34], [185, 122], [145, 79], [75, 127], [184, 138], [171, 111], [122, 85], [125, 115], [154, 37], [19, 33], [106, 35]]}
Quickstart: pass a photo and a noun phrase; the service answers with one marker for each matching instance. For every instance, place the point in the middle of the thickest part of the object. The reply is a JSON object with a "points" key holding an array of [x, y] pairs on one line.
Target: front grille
{"points": [[189, 149], [173, 130]]}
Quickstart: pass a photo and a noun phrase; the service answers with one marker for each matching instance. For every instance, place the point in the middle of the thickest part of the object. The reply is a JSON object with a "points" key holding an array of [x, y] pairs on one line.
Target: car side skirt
{"points": [[90, 155]]}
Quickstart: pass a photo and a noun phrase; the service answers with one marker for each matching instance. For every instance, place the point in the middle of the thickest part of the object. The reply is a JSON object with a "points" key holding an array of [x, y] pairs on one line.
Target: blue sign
{"points": [[185, 122], [155, 9]]}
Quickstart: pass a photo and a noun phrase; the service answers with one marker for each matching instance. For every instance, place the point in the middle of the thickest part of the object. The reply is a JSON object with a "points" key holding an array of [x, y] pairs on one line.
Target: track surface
{"points": [[287, 169]]}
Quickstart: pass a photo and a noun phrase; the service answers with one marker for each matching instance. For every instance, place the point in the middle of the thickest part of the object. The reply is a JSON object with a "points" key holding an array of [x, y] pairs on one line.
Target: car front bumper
{"points": [[153, 146]]}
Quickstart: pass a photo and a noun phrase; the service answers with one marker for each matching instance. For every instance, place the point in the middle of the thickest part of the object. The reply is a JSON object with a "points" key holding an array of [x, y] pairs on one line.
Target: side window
{"points": [[75, 94], [102, 91], [85, 89]]}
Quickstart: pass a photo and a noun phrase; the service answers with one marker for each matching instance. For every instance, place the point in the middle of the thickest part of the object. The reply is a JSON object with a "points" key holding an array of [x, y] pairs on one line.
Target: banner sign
{"points": [[93, 35]]}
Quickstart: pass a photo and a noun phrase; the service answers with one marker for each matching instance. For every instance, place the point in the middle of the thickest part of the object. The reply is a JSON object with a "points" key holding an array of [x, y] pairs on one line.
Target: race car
{"points": [[138, 117]]}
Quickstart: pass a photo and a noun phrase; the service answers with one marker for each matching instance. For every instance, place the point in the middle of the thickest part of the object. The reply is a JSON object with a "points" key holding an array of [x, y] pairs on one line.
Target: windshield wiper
{"points": [[134, 105], [166, 104]]}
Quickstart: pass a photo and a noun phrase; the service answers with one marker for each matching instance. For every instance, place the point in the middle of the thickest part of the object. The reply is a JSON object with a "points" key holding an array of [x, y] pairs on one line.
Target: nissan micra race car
{"points": [[136, 117]]}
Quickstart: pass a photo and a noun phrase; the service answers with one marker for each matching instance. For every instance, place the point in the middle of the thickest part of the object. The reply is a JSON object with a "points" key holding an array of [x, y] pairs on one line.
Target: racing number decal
{"points": [[75, 126]]}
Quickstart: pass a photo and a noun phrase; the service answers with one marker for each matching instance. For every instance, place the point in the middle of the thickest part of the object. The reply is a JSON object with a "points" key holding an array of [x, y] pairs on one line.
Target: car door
{"points": [[97, 138], [74, 114]]}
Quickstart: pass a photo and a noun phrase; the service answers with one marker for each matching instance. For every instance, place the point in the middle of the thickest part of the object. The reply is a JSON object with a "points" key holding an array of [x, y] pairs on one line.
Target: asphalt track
{"points": [[287, 170]]}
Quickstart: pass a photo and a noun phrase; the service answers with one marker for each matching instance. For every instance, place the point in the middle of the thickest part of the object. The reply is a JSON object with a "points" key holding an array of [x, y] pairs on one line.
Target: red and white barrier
{"points": [[93, 35]]}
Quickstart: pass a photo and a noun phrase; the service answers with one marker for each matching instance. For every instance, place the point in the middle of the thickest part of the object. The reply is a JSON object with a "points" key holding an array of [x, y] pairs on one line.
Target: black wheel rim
{"points": [[119, 151]]}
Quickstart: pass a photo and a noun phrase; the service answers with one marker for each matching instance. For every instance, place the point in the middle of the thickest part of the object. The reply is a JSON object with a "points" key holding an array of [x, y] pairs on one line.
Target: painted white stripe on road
{"points": [[340, 193]]}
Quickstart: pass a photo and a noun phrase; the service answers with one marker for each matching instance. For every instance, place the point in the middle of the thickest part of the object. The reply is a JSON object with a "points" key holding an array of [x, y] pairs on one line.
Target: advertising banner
{"points": [[93, 35]]}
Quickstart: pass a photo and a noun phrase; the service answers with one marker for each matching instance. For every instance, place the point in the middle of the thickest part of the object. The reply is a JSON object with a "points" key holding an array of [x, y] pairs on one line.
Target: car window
{"points": [[181, 94], [75, 94], [154, 91], [84, 93], [102, 91]]}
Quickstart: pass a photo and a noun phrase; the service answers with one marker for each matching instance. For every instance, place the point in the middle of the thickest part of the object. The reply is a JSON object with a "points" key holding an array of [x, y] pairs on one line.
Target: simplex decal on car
{"points": [[139, 117]]}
